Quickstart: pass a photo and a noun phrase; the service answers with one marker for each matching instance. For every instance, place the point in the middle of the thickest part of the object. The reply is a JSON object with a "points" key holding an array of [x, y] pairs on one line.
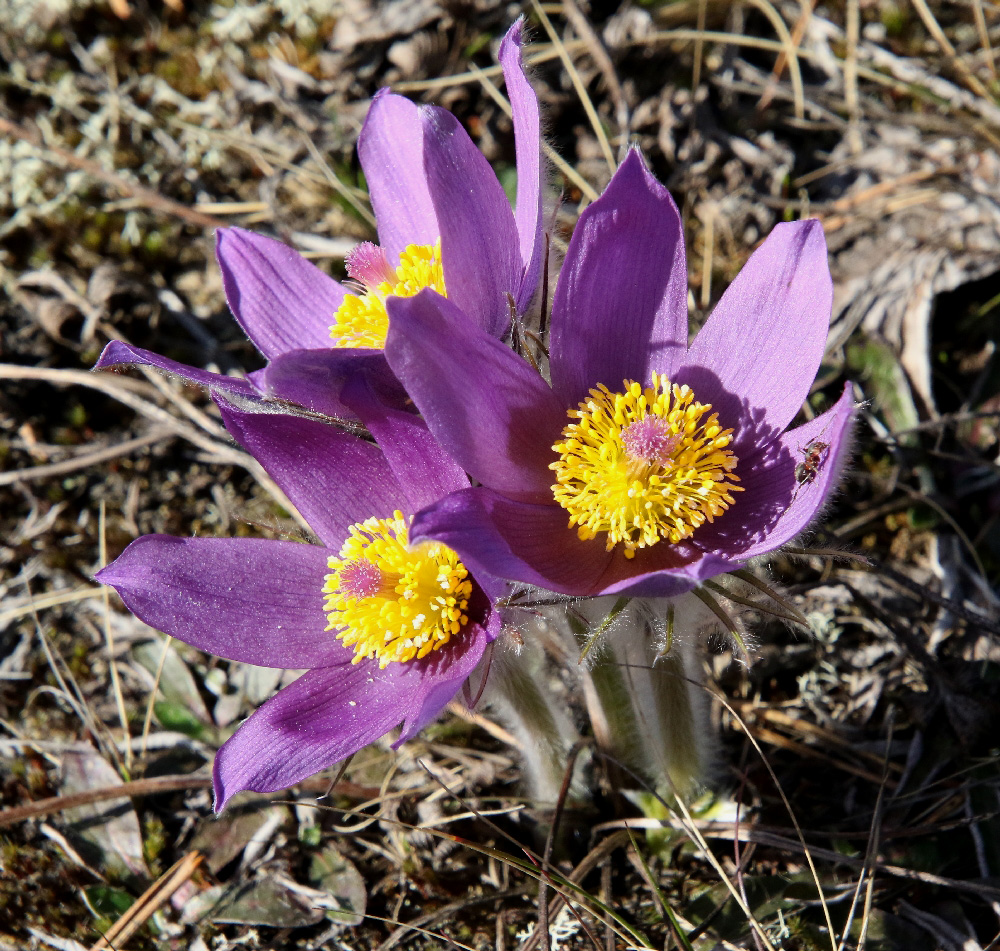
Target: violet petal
{"points": [[315, 378], [765, 338], [391, 149], [528, 151], [532, 544], [620, 307], [780, 498], [117, 354], [662, 571], [488, 408], [282, 301], [333, 478], [479, 240], [332, 712], [245, 599], [424, 470]]}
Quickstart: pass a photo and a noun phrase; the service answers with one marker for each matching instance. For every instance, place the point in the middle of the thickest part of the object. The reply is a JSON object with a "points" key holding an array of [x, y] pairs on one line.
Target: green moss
{"points": [[895, 18], [154, 840]]}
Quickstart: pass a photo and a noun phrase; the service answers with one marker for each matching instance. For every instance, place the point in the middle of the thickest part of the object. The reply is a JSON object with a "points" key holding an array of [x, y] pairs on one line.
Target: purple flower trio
{"points": [[641, 465]]}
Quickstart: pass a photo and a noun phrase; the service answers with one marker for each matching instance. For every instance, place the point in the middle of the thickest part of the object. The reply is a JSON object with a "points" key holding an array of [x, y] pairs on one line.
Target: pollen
{"points": [[392, 601], [361, 321], [645, 465]]}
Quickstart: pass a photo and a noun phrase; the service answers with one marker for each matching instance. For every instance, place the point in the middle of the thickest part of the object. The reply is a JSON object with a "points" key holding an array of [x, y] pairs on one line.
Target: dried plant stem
{"points": [[151, 787], [934, 28], [149, 902], [791, 815], [86, 459], [791, 52], [602, 60], [116, 684]]}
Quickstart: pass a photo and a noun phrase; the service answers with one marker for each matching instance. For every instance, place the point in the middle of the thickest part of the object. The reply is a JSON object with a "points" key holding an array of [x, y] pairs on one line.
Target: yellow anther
{"points": [[361, 321], [394, 602], [645, 465]]}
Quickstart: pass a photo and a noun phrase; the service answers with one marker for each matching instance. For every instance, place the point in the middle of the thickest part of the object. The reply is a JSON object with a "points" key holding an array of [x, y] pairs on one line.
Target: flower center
{"points": [[644, 465], [361, 320], [390, 601]]}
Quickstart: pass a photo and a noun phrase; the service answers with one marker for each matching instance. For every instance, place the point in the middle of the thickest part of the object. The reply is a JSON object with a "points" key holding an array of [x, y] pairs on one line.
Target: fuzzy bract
{"points": [[647, 465]]}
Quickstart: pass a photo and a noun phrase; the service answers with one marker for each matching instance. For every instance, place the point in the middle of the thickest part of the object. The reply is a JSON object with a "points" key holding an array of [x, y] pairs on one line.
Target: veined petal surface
{"points": [[252, 600], [620, 307], [117, 354], [331, 712], [391, 147], [489, 409], [479, 239], [765, 338], [332, 477], [282, 301], [528, 152]]}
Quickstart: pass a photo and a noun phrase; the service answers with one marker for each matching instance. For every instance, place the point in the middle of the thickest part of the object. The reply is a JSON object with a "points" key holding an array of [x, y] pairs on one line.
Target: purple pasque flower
{"points": [[387, 631], [444, 222], [647, 466]]}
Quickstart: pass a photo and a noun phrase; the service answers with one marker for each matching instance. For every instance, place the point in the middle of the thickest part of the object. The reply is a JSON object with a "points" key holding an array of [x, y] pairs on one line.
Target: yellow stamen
{"points": [[644, 465], [362, 321], [390, 601]]}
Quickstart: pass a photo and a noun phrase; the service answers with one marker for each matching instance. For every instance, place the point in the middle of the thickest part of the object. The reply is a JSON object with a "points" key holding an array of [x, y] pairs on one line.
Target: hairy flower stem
{"points": [[521, 698], [646, 707]]}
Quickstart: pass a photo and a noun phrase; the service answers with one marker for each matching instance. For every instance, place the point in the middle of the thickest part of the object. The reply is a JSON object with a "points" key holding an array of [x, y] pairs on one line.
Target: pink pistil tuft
{"points": [[368, 264], [649, 440], [360, 579]]}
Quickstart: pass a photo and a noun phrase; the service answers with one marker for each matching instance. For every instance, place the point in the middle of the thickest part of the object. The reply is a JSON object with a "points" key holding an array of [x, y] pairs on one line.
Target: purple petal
{"points": [[424, 470], [662, 571], [282, 301], [479, 239], [333, 478], [528, 150], [391, 150], [315, 378], [332, 712], [532, 544], [780, 499], [250, 600], [765, 338], [620, 308], [488, 408], [117, 354]]}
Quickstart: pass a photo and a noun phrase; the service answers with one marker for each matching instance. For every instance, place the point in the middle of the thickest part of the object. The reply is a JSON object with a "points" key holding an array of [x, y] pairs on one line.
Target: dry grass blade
{"points": [[602, 60], [581, 89], [791, 814], [791, 53], [109, 640], [32, 604], [149, 902], [338, 186], [124, 390], [691, 828], [152, 787], [934, 28], [866, 878]]}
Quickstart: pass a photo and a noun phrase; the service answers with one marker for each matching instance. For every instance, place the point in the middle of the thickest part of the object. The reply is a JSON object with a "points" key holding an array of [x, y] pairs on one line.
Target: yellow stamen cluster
{"points": [[392, 602], [362, 320], [644, 465]]}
